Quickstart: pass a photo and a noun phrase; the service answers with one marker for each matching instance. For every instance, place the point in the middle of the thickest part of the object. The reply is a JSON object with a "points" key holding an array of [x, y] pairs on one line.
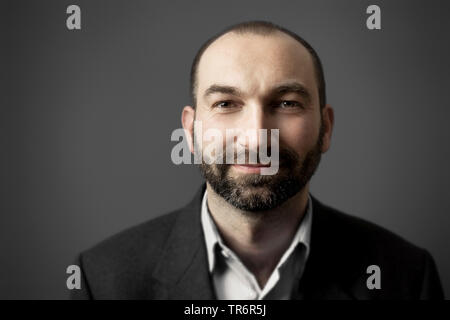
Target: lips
{"points": [[258, 165], [251, 168]]}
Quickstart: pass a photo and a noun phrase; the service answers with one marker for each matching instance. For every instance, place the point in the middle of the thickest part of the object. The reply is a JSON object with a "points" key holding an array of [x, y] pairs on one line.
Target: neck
{"points": [[258, 238]]}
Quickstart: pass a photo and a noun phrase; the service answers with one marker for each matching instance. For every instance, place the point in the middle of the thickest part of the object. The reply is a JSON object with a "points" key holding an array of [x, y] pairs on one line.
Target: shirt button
{"points": [[225, 254]]}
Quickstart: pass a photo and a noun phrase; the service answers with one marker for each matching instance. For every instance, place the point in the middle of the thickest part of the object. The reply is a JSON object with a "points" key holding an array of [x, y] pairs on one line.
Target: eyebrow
{"points": [[289, 87], [216, 88]]}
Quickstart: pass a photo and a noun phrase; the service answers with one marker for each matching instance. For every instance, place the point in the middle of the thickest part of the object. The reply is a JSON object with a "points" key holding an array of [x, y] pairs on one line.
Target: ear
{"points": [[328, 123], [187, 121]]}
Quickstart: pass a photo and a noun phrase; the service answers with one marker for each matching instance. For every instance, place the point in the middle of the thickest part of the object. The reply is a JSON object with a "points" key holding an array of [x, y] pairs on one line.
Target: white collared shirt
{"points": [[232, 279]]}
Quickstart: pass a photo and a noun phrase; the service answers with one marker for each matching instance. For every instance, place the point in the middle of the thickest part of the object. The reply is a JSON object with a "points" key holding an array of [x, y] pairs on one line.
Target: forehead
{"points": [[255, 63]]}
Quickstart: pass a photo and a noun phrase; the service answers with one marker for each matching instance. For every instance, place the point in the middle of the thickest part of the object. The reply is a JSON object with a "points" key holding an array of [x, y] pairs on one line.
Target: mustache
{"points": [[287, 157]]}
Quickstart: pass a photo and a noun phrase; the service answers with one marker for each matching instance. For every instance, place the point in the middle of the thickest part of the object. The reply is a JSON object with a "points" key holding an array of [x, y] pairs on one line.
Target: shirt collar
{"points": [[212, 236]]}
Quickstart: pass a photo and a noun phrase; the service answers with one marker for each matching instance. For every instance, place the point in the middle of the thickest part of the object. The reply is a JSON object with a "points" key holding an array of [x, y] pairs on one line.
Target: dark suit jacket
{"points": [[166, 258]]}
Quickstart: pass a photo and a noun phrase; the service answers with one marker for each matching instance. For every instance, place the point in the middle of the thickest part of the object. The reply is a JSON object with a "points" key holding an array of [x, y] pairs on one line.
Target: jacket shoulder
{"points": [[121, 263], [149, 235], [408, 271], [360, 233]]}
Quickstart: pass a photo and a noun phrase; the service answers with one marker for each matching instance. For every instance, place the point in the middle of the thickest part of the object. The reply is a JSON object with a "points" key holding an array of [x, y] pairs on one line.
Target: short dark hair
{"points": [[259, 28]]}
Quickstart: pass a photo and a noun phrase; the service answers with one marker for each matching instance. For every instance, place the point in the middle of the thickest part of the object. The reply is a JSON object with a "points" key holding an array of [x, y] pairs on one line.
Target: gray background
{"points": [[86, 118]]}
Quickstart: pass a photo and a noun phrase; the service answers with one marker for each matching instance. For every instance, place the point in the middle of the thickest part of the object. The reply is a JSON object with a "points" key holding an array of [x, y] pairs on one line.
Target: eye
{"points": [[223, 104], [286, 104]]}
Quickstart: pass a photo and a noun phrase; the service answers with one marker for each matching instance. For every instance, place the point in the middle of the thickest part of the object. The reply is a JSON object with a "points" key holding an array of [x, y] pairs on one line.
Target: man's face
{"points": [[260, 82]]}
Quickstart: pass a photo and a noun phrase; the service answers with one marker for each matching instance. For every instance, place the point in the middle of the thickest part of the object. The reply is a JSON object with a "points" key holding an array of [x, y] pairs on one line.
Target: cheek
{"points": [[300, 134], [211, 132]]}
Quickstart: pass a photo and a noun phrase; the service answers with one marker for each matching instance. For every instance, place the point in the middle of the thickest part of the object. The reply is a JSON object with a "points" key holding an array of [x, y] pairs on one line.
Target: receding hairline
{"points": [[259, 28], [244, 33], [274, 33]]}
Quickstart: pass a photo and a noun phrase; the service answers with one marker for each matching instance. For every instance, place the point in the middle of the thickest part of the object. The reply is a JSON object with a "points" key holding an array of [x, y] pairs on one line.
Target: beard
{"points": [[255, 192]]}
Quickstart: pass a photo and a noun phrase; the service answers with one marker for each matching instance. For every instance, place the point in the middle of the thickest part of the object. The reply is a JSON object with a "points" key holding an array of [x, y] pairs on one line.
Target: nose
{"points": [[253, 119]]}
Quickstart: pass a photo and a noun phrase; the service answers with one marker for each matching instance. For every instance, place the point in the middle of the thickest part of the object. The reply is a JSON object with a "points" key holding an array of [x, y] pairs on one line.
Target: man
{"points": [[246, 235]]}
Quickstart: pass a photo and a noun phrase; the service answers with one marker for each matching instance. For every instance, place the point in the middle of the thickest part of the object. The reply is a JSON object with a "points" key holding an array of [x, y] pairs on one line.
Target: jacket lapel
{"points": [[324, 277], [182, 272]]}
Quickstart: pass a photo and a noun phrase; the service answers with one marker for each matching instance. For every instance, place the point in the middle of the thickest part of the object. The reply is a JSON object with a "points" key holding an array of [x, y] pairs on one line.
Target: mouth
{"points": [[250, 168]]}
